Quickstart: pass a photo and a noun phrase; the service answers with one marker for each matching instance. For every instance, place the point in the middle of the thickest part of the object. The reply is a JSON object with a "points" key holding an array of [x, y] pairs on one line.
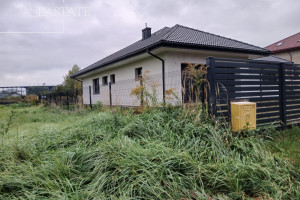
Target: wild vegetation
{"points": [[163, 153], [71, 85]]}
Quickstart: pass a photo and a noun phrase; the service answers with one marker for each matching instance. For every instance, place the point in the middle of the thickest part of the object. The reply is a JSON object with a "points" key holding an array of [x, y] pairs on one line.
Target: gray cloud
{"points": [[33, 59]]}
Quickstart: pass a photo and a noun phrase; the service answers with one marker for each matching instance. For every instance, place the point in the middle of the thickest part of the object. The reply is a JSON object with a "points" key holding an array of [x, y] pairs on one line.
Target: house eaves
{"points": [[177, 37]]}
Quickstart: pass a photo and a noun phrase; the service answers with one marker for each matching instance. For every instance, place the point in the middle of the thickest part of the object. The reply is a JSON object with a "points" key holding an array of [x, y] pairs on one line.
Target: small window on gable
{"points": [[279, 44], [96, 86], [105, 80], [112, 79], [138, 73]]}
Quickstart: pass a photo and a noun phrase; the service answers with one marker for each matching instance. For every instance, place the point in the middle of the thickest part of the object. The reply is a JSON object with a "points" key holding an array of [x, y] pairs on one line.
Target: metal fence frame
{"points": [[274, 86]]}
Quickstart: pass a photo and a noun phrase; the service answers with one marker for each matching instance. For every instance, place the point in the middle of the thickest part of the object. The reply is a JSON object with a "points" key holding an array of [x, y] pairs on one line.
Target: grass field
{"points": [[286, 144], [159, 154]]}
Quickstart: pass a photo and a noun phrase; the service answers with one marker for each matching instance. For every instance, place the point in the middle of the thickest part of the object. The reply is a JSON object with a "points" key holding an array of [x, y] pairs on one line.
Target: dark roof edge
{"points": [[135, 53], [213, 48], [163, 43], [287, 49]]}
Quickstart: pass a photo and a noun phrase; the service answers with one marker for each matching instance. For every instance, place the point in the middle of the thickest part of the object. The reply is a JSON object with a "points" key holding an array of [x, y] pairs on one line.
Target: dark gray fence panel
{"points": [[275, 87]]}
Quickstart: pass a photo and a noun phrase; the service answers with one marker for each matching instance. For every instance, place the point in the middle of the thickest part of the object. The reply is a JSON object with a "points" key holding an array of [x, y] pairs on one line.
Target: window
{"points": [[112, 79], [96, 86], [279, 44], [138, 73], [104, 80]]}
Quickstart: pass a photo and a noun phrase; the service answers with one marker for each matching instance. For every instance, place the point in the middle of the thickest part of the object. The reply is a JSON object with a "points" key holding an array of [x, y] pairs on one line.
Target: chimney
{"points": [[146, 33]]}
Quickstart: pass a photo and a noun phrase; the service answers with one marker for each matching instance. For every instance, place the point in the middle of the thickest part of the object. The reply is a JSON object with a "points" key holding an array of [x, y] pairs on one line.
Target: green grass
{"points": [[286, 144], [159, 154]]}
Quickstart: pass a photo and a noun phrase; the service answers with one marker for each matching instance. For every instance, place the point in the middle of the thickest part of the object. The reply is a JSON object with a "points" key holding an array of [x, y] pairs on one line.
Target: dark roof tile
{"points": [[176, 34]]}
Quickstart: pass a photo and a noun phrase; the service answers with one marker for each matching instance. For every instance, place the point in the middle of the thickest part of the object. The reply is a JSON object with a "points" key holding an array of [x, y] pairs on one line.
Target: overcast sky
{"points": [[40, 40]]}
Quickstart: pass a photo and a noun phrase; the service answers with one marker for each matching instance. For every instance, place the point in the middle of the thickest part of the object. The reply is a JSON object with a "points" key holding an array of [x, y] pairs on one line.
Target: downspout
{"points": [[163, 75], [291, 57]]}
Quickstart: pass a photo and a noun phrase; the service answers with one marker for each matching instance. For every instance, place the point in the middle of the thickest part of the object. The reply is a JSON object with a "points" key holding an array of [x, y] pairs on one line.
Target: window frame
{"points": [[105, 80], [112, 80], [138, 73], [96, 82]]}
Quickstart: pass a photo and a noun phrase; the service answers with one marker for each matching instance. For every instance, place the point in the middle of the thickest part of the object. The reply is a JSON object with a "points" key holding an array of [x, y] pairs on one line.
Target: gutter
{"points": [[285, 50], [163, 75], [172, 45]]}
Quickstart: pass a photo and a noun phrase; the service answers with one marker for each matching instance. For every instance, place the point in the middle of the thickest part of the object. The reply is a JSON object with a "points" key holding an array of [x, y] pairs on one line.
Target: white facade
{"points": [[124, 72]]}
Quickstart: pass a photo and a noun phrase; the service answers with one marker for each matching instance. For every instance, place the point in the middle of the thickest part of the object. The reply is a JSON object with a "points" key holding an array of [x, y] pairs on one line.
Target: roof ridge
{"points": [[160, 31], [222, 37], [282, 39], [175, 27]]}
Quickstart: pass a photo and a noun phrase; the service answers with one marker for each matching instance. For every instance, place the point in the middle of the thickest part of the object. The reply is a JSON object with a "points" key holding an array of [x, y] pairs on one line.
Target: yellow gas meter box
{"points": [[241, 114]]}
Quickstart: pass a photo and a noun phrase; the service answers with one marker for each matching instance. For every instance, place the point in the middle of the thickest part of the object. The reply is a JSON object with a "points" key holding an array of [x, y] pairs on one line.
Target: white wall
{"points": [[125, 82], [293, 56], [125, 76], [175, 59]]}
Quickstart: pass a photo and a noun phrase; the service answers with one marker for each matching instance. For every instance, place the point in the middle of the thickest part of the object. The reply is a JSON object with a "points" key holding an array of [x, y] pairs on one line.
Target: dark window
{"points": [[138, 73], [112, 79], [105, 80], [96, 86]]}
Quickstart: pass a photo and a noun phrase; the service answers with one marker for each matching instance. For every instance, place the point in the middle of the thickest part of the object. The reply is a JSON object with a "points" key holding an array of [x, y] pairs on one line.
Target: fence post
{"points": [[202, 94], [142, 93], [110, 99], [76, 98], [282, 94], [50, 98], [68, 104], [60, 99], [90, 93], [210, 61]]}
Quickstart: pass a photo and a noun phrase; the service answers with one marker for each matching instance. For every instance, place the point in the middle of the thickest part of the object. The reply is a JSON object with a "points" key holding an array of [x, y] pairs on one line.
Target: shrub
{"points": [[32, 99], [98, 106]]}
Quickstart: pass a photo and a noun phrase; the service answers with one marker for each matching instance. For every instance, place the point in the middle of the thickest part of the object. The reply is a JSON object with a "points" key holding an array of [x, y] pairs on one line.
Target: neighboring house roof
{"points": [[177, 36], [289, 43], [273, 59]]}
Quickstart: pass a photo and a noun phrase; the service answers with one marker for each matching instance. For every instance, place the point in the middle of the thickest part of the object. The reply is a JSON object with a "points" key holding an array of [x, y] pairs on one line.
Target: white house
{"points": [[163, 54]]}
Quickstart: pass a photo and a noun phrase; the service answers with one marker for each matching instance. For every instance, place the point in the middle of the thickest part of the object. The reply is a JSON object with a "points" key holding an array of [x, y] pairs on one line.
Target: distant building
{"points": [[288, 48], [8, 94]]}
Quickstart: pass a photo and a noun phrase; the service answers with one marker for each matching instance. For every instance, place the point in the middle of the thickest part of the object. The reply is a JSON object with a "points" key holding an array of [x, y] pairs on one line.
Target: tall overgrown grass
{"points": [[168, 153]]}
